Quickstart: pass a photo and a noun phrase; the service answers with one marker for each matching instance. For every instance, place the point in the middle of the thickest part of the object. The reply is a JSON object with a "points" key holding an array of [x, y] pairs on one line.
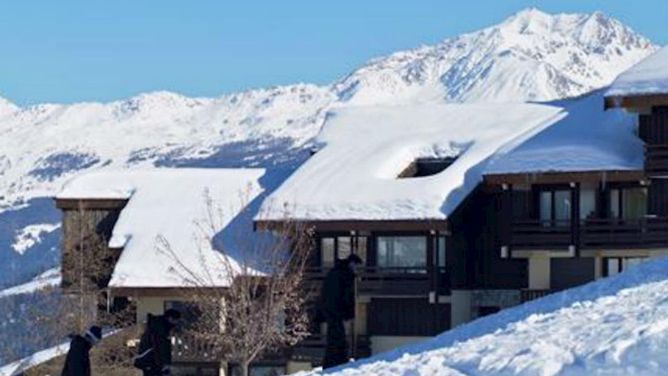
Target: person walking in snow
{"points": [[154, 355], [338, 305], [77, 362]]}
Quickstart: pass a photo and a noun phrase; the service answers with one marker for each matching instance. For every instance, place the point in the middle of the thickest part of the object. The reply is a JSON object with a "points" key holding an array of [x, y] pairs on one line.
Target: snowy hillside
{"points": [[530, 56], [615, 326]]}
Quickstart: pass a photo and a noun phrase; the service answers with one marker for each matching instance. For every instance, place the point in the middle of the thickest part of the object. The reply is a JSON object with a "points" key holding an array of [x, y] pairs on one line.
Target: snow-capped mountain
{"points": [[530, 56], [7, 107]]}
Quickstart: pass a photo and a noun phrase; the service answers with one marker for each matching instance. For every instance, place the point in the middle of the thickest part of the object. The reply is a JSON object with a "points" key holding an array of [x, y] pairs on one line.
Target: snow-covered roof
{"points": [[170, 204], [586, 139], [648, 77], [354, 176]]}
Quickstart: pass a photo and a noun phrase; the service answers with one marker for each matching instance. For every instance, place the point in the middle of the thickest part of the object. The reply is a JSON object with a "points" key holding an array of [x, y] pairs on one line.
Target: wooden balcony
{"points": [[388, 281], [538, 234], [621, 233], [651, 232], [312, 349], [529, 295], [656, 159]]}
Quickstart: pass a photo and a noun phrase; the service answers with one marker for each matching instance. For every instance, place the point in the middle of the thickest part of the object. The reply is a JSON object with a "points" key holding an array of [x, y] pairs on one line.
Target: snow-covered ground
{"points": [[19, 366], [530, 56], [614, 326]]}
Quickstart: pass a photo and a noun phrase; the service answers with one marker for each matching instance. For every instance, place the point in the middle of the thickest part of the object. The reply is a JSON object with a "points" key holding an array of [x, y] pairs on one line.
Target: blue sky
{"points": [[76, 50]]}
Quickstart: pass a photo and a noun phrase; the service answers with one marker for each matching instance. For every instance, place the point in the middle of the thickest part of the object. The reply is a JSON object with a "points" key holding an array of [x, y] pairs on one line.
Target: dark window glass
{"points": [[402, 252]]}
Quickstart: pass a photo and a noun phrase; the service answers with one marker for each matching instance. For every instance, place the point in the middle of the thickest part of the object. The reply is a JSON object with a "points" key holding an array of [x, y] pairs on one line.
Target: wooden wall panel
{"points": [[407, 317]]}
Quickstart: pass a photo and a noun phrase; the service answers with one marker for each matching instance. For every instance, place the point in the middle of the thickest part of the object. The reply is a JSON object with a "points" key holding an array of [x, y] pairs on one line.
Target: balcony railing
{"points": [[539, 234], [387, 280], [656, 159], [650, 232], [529, 295], [312, 348], [622, 233]]}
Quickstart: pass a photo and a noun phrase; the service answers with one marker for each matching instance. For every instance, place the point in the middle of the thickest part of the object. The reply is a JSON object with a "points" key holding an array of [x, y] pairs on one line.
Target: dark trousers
{"points": [[336, 350]]}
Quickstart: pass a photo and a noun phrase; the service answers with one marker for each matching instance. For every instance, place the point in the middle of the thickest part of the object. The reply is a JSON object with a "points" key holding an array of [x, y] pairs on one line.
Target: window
{"points": [[403, 252], [439, 255], [587, 203], [426, 167], [616, 265], [628, 203], [344, 246], [327, 251], [555, 207], [340, 247]]}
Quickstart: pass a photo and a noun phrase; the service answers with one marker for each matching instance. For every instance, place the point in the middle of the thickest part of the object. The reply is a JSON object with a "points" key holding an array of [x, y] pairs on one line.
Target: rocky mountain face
{"points": [[531, 56]]}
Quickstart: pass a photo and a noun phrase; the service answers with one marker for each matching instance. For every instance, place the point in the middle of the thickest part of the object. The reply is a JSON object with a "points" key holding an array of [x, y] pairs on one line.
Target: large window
{"points": [[628, 203], [587, 202], [555, 207], [340, 247], [402, 252]]}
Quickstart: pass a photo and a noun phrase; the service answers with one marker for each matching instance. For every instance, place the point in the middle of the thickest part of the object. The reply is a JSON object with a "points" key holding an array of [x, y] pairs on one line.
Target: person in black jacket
{"points": [[154, 355], [77, 362], [338, 305]]}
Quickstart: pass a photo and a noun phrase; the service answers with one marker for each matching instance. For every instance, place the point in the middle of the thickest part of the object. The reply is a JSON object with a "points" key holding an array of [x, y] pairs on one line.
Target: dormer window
{"points": [[426, 167]]}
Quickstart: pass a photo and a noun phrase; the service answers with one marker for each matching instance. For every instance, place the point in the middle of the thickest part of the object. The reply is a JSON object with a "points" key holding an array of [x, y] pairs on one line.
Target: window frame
{"points": [[355, 243], [621, 201], [376, 249], [539, 190]]}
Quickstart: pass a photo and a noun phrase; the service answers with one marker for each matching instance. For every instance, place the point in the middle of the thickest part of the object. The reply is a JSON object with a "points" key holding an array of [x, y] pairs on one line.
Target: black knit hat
{"points": [[354, 259], [94, 334], [173, 314]]}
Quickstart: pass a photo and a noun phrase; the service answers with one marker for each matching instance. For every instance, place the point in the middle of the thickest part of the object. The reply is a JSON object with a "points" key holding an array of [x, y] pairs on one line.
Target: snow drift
{"points": [[614, 326]]}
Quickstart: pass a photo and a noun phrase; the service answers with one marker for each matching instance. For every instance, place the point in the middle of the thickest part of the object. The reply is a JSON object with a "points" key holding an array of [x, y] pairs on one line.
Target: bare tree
{"points": [[86, 267], [261, 309]]}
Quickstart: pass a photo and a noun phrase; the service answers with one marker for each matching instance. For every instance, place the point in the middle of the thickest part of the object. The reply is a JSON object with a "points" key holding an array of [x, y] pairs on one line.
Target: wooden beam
{"points": [[353, 225], [158, 291], [631, 102], [565, 177], [90, 204]]}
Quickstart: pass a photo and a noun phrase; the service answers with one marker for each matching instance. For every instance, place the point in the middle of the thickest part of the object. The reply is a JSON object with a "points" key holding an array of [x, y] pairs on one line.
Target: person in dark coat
{"points": [[338, 305], [77, 362], [154, 355]]}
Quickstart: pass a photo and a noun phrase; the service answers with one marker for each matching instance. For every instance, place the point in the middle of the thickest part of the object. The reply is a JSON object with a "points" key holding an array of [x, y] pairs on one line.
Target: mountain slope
{"points": [[614, 326], [530, 56]]}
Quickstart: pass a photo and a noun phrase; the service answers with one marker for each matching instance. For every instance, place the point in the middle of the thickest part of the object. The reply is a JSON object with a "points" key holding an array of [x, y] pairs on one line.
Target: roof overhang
{"points": [[359, 225], [161, 292], [565, 177], [636, 103], [90, 203]]}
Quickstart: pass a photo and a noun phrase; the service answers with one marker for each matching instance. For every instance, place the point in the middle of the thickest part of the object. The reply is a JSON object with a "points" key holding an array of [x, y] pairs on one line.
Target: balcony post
{"points": [[575, 217], [507, 222]]}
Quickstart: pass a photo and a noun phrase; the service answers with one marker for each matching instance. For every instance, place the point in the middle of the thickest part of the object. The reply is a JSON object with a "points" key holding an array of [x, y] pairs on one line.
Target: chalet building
{"points": [[149, 217], [458, 210]]}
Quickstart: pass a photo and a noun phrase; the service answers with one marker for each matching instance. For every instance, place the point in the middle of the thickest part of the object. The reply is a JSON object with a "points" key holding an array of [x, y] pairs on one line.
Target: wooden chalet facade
{"points": [[516, 238]]}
